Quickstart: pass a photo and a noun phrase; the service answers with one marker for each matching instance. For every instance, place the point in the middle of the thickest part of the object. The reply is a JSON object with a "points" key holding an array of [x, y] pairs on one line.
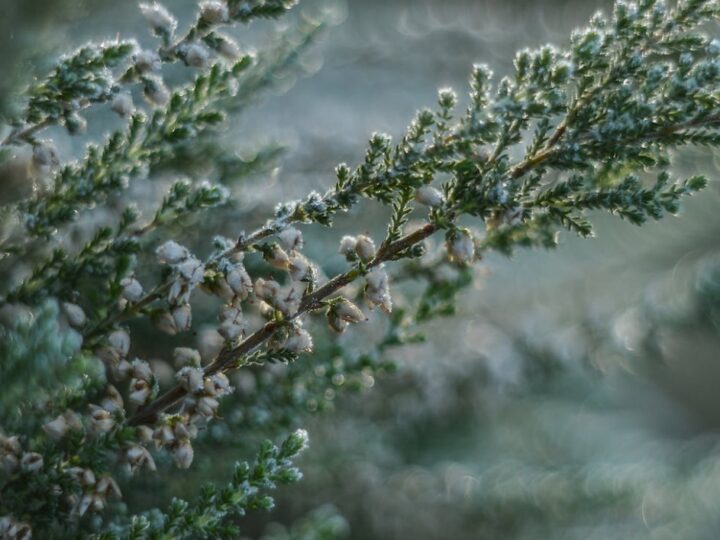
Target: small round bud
{"points": [[460, 246], [365, 247], [75, 315], [429, 196], [213, 11], [122, 104]]}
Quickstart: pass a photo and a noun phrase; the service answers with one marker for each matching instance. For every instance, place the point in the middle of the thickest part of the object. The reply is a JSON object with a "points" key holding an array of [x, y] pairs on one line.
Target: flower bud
{"points": [[75, 315], [365, 247], [377, 290], [113, 401], [299, 341], [347, 245], [239, 281], [45, 154], [349, 312], [267, 289], [186, 357], [183, 454], [335, 322], [138, 457], [182, 315], [140, 392], [159, 18], [197, 56], [221, 384], [101, 421], [213, 11], [429, 196], [31, 462], [146, 61], [120, 341], [165, 322], [132, 290], [192, 270], [144, 434], [230, 330], [277, 257], [298, 267], [56, 429], [192, 379], [122, 104], [291, 239], [460, 246], [207, 406]]}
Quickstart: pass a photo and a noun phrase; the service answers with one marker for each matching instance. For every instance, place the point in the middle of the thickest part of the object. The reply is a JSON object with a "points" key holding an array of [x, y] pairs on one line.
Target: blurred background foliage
{"points": [[573, 395]]}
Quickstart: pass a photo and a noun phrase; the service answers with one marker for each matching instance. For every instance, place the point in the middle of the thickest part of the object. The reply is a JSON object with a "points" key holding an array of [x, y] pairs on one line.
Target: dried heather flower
{"points": [[460, 246], [75, 314], [122, 104], [213, 11], [132, 289], [45, 154], [298, 266], [186, 357], [147, 60], [140, 392], [182, 315], [365, 247], [57, 428], [277, 257], [119, 340], [191, 379], [299, 341], [349, 312], [159, 18], [101, 421], [139, 457], [429, 196], [377, 289], [183, 454], [31, 462], [197, 56], [291, 238], [239, 281]]}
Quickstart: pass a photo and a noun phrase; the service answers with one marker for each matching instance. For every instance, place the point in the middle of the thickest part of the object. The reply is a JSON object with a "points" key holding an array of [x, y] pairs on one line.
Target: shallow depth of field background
{"points": [[577, 392]]}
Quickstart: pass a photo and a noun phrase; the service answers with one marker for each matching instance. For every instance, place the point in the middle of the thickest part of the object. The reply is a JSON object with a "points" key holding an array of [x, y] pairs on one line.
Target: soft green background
{"points": [[530, 415]]}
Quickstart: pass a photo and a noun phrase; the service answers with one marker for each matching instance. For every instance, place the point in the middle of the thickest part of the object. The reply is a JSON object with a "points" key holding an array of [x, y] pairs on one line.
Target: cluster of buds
{"points": [[174, 433], [358, 247], [284, 299], [189, 273], [343, 312], [12, 529], [293, 338], [95, 490], [141, 383], [377, 289], [203, 393], [460, 246]]}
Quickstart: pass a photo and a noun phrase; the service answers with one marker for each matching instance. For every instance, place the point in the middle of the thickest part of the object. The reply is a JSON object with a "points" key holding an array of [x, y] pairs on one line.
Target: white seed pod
{"points": [[349, 312], [57, 428], [239, 281], [365, 247], [299, 341], [197, 56], [277, 257], [429, 196], [132, 289], [460, 247], [213, 11], [171, 252], [45, 154], [159, 17], [31, 462], [186, 357], [183, 454], [298, 266], [120, 341], [122, 104], [75, 315], [191, 379], [347, 245], [146, 61], [182, 315], [291, 238], [140, 392]]}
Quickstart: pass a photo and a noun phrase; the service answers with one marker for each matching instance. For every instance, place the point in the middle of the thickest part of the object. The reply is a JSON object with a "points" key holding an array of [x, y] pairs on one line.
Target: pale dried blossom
{"points": [[192, 379], [101, 420], [155, 90], [183, 454], [197, 55], [349, 312], [239, 281], [140, 392], [132, 289], [429, 196], [165, 322], [299, 341], [122, 104], [291, 239], [460, 247], [277, 257], [298, 266], [159, 17], [31, 462], [75, 314], [146, 61], [138, 457], [185, 356], [213, 11], [11, 529], [45, 154], [377, 289], [171, 252], [57, 428], [112, 401], [182, 315], [119, 340], [347, 245], [365, 247]]}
